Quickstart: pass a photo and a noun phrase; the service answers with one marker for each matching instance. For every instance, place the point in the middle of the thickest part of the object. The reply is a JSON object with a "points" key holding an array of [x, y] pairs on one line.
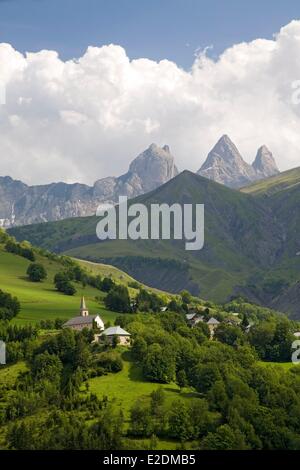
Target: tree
{"points": [[21, 436], [186, 296], [229, 334], [174, 306], [118, 299], [110, 361], [225, 438], [63, 284], [141, 422], [107, 284], [204, 376], [261, 336], [282, 342], [22, 249], [47, 366], [82, 354], [36, 272], [148, 301], [9, 306], [115, 341], [4, 237], [181, 379], [159, 363], [204, 328], [139, 348], [180, 426], [245, 322]]}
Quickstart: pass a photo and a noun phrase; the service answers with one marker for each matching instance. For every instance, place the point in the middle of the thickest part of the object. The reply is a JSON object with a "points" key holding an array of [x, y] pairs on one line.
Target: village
{"points": [[117, 335]]}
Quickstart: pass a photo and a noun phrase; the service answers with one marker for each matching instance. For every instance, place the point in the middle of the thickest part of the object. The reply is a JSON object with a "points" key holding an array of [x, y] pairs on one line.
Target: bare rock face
{"points": [[152, 168], [21, 204], [264, 163], [225, 165]]}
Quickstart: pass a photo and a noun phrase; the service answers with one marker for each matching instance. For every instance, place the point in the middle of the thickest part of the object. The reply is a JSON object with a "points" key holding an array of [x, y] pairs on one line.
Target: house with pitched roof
{"points": [[116, 332], [193, 318], [84, 320], [212, 323]]}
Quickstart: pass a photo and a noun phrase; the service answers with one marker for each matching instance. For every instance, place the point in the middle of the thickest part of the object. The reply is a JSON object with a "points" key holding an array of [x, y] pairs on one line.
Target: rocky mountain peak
{"points": [[225, 165], [225, 150], [154, 167], [264, 162]]}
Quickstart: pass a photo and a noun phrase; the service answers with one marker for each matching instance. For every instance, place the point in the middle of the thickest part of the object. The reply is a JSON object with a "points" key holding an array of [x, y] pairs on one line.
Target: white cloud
{"points": [[84, 119]]}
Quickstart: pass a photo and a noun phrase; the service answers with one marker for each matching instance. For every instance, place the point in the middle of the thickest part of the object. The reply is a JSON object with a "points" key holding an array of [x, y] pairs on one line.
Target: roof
{"points": [[115, 330], [81, 320], [190, 316], [213, 321]]}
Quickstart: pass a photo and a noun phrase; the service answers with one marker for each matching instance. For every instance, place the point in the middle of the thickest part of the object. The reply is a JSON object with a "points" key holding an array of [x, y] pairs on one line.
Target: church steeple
{"points": [[83, 310]]}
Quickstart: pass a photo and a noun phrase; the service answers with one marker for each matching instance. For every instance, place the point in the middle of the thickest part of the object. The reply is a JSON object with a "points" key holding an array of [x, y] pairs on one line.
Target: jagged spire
{"points": [[226, 165], [264, 163]]}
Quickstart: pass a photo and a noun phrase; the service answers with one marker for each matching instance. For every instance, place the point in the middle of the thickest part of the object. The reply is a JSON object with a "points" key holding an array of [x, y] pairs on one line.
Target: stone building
{"points": [[117, 332]]}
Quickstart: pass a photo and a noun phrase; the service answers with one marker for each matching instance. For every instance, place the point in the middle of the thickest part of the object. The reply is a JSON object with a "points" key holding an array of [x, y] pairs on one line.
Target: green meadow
{"points": [[126, 386], [40, 301], [283, 365]]}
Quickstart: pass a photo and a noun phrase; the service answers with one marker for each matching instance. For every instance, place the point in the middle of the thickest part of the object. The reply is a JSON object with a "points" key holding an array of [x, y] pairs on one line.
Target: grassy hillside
{"points": [[40, 301], [240, 237], [284, 181], [127, 386]]}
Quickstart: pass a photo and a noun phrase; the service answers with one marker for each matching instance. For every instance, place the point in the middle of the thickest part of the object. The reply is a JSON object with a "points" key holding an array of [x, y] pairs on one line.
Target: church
{"points": [[84, 320]]}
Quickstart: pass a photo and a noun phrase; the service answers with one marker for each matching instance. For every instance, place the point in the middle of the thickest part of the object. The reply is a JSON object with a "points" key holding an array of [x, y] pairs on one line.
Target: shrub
{"points": [[36, 272], [9, 306], [110, 361]]}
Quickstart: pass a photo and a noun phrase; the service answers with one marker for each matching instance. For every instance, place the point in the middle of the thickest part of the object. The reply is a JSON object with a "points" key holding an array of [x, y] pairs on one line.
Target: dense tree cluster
{"points": [[230, 396], [148, 301], [242, 404], [22, 249], [58, 367], [63, 283], [118, 299]]}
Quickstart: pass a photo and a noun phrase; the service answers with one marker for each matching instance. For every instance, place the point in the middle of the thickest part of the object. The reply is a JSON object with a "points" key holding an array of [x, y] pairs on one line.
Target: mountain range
{"points": [[252, 244], [21, 204]]}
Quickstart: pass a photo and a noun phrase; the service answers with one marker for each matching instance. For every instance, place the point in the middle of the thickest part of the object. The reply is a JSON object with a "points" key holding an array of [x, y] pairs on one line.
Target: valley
{"points": [[250, 244]]}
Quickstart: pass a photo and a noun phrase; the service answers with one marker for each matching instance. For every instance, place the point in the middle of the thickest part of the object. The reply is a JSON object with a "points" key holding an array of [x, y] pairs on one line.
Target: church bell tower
{"points": [[83, 310]]}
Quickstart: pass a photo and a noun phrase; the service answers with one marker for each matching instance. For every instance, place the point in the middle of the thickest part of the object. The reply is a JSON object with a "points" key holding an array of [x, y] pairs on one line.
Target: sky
{"points": [[89, 84], [156, 29]]}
